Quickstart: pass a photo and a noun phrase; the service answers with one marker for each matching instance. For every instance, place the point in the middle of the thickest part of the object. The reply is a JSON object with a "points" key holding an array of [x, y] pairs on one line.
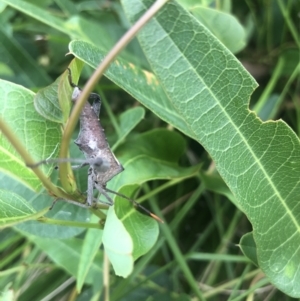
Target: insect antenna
{"points": [[136, 204]]}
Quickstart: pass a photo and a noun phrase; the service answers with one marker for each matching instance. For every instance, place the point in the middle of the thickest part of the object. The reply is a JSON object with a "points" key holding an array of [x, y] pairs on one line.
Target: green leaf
{"points": [[118, 245], [65, 90], [5, 70], [154, 155], [15, 209], [2, 7], [46, 102], [77, 27], [98, 33], [143, 229], [90, 31], [127, 234], [223, 26], [128, 121], [259, 161], [39, 202], [248, 247], [54, 101], [38, 13], [39, 136], [7, 293]]}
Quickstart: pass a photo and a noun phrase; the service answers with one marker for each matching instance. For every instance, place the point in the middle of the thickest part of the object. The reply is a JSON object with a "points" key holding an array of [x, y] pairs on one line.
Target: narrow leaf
{"points": [[26, 69], [91, 244]]}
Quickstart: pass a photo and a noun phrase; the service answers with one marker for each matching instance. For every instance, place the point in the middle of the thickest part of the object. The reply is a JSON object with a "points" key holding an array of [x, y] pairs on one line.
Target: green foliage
{"points": [[185, 79], [38, 135]]}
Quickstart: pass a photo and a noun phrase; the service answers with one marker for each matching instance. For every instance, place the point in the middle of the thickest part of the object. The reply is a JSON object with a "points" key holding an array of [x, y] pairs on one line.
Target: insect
{"points": [[103, 165], [92, 142]]}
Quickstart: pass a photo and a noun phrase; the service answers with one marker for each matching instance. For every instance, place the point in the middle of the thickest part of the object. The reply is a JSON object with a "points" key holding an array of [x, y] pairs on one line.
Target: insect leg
{"points": [[90, 189], [102, 190], [83, 162], [74, 203], [136, 204]]}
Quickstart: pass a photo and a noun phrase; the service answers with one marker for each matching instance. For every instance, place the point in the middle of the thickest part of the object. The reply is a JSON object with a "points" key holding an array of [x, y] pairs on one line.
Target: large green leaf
{"points": [[15, 209], [39, 136], [260, 162]]}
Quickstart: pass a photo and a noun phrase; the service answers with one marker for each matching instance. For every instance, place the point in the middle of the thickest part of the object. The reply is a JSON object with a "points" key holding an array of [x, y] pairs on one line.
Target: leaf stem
{"points": [[293, 30], [51, 221], [265, 96], [160, 189]]}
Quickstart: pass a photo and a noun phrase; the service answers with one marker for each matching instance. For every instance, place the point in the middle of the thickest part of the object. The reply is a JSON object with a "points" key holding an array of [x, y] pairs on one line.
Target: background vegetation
{"points": [[196, 255]]}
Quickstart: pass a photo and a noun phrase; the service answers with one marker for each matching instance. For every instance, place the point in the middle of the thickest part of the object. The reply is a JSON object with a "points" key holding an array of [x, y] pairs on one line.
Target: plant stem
{"points": [[47, 220], [106, 277]]}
